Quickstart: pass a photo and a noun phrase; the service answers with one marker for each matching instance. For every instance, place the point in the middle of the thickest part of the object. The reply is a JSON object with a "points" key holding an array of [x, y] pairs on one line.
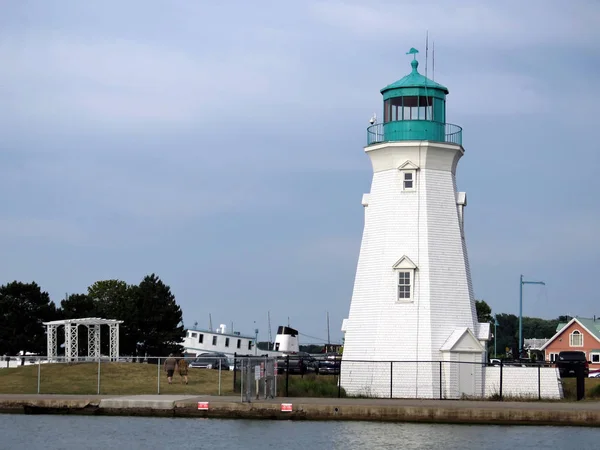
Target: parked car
{"points": [[298, 363], [568, 362], [594, 374], [210, 361], [330, 364]]}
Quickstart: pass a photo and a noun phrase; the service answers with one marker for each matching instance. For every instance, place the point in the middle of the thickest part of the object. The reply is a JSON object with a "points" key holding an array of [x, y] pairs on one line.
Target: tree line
{"points": [[507, 330], [152, 319]]}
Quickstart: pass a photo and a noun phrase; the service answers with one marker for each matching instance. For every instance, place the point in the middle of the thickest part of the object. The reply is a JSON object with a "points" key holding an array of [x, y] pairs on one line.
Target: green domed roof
{"points": [[415, 80]]}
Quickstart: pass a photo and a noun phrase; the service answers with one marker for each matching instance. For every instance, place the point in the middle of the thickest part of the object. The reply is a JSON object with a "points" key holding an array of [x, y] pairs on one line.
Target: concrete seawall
{"points": [[425, 411]]}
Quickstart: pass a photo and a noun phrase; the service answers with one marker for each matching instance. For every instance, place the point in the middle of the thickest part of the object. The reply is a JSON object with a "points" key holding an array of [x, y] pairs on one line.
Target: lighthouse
{"points": [[412, 329]]}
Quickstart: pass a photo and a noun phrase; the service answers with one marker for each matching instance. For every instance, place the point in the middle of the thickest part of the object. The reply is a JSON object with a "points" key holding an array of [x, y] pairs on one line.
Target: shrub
{"points": [[310, 386]]}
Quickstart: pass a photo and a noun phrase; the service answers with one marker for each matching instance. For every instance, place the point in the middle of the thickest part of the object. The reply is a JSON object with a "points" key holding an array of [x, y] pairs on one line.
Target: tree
{"points": [[23, 309], [484, 312], [114, 299], [508, 331], [77, 306], [538, 328], [111, 298], [159, 319], [152, 320]]}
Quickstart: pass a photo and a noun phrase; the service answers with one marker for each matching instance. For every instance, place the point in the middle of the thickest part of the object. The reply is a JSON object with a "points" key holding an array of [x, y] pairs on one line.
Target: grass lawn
{"points": [[592, 388], [115, 378]]}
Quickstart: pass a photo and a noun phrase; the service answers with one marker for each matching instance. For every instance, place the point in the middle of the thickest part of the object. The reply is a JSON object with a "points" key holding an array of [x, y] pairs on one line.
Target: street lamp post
{"points": [[521, 310]]}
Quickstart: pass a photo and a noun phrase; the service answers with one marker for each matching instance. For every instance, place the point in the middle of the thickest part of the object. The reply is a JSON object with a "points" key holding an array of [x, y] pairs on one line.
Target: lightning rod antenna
{"points": [[433, 62]]}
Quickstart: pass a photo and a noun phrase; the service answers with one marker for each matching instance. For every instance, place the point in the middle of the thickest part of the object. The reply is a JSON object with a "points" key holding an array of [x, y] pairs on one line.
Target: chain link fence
{"points": [[257, 378], [261, 377]]}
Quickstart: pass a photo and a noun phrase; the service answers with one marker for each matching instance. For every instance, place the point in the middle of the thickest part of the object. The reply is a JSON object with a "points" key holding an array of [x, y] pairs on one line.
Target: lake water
{"points": [[132, 433]]}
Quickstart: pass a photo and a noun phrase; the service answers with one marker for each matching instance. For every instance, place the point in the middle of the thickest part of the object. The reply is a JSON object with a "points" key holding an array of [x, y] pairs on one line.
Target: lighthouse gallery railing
{"points": [[414, 130]]}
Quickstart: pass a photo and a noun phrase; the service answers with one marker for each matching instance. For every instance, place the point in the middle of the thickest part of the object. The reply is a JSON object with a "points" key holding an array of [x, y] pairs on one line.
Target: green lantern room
{"points": [[414, 109]]}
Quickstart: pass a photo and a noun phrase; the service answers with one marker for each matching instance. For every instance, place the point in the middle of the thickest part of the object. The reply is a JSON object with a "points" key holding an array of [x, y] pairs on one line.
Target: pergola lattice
{"points": [[93, 325]]}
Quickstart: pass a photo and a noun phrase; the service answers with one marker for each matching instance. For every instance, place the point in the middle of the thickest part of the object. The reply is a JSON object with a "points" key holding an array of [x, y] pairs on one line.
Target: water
{"points": [[132, 433]]}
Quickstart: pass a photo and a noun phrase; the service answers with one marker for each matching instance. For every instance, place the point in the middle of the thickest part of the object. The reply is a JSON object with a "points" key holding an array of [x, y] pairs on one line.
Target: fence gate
{"points": [[258, 378]]}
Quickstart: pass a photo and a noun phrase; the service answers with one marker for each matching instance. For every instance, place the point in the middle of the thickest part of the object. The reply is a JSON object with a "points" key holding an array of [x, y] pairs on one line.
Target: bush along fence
{"points": [[259, 377]]}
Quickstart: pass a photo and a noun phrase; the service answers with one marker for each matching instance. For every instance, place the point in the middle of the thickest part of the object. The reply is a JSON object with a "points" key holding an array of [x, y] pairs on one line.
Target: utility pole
{"points": [[328, 338], [255, 341], [495, 335], [521, 310], [270, 335]]}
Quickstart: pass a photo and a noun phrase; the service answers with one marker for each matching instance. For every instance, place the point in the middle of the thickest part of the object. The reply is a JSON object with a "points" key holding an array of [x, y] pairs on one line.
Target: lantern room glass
{"points": [[413, 108]]}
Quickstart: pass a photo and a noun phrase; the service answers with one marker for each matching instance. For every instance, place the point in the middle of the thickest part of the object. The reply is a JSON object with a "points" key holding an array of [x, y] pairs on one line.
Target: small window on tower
{"points": [[409, 180], [404, 285]]}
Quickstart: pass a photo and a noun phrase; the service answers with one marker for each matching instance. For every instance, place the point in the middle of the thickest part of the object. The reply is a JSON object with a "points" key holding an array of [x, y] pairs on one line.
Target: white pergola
{"points": [[93, 325]]}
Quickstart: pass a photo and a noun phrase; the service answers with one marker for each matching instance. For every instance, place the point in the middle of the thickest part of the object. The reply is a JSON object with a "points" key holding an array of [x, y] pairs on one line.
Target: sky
{"points": [[220, 146]]}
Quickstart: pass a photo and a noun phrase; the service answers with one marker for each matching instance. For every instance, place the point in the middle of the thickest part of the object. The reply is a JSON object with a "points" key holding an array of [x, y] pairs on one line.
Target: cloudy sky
{"points": [[220, 145]]}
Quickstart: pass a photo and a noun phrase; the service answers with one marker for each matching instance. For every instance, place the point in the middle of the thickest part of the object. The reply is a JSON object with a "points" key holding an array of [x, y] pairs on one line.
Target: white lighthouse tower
{"points": [[412, 330]]}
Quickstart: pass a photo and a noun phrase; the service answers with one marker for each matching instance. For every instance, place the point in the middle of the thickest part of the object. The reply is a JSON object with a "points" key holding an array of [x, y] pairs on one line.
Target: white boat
{"points": [[199, 341]]}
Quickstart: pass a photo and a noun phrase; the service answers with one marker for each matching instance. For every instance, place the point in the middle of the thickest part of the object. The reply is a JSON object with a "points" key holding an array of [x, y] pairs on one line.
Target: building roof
{"points": [[415, 79], [534, 343], [590, 325], [462, 339], [84, 321]]}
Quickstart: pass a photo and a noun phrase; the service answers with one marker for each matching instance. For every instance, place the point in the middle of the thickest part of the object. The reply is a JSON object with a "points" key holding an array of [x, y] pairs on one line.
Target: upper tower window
{"points": [[409, 180], [408, 172]]}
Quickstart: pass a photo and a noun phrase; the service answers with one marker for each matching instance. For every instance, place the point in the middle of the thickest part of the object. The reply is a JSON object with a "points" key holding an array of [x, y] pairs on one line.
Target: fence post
{"points": [[339, 378], [158, 371], [287, 375], [539, 382], [220, 362], [275, 376], [265, 377], [242, 369], [234, 369], [99, 360], [501, 367], [391, 379], [441, 383], [39, 368]]}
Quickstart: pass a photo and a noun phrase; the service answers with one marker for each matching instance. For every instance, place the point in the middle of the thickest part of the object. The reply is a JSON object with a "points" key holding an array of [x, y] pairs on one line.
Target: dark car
{"points": [[296, 363], [568, 364], [210, 361], [329, 364]]}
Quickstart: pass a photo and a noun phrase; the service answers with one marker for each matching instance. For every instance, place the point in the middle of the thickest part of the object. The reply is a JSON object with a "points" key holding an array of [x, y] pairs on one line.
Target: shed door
{"points": [[466, 374]]}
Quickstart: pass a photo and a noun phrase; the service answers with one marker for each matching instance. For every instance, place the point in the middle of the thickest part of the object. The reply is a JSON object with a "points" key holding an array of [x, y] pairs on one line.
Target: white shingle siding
{"points": [[424, 225]]}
